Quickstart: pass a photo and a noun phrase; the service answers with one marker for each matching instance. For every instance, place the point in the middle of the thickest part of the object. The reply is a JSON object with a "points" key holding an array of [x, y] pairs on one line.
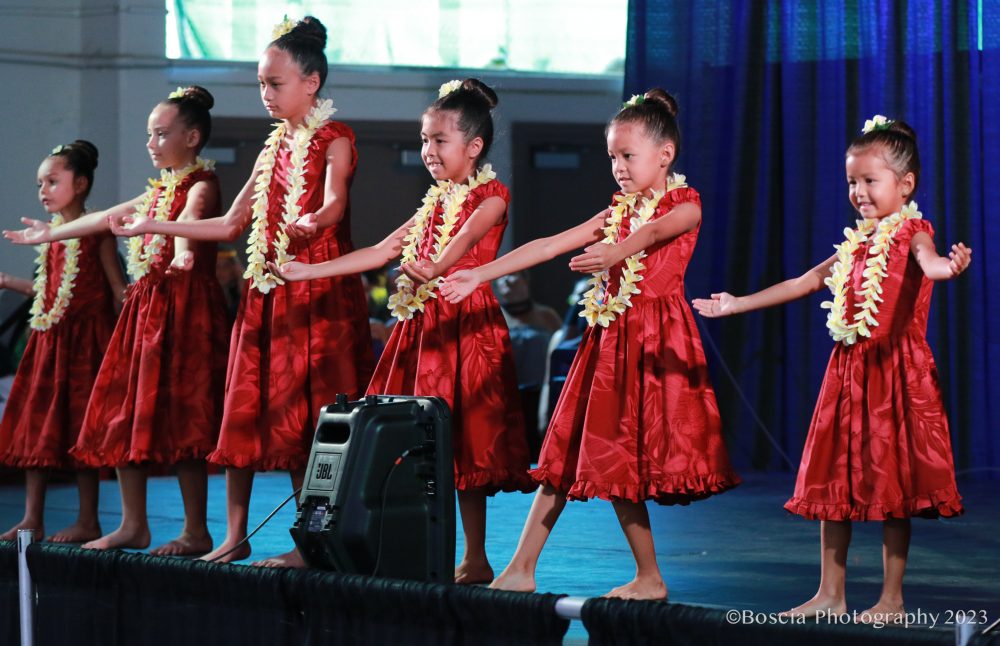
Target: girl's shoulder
{"points": [[492, 188], [913, 226], [680, 195], [334, 130]]}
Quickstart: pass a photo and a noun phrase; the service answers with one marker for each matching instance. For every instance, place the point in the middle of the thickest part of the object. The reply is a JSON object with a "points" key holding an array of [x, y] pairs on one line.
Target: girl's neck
{"points": [[463, 177], [296, 121], [72, 211], [184, 163], [659, 186]]}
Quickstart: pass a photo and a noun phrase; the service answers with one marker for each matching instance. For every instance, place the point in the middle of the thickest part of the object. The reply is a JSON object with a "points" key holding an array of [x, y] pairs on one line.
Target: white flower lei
{"points": [[41, 320], [406, 301], [263, 280], [140, 255], [600, 307], [875, 270]]}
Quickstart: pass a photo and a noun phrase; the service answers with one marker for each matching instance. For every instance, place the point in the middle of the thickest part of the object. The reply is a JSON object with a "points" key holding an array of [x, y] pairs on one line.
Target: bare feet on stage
{"points": [[185, 545], [883, 612], [473, 572], [289, 559], [514, 581], [820, 603], [124, 537], [76, 533], [648, 589], [219, 554], [11, 534]]}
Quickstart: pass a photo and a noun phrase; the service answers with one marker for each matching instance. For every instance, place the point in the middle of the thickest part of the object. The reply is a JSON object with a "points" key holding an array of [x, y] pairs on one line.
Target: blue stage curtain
{"points": [[771, 93]]}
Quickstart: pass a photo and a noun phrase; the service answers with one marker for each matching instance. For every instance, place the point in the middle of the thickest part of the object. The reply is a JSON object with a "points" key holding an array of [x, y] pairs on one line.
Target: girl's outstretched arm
{"points": [[108, 253], [725, 304], [16, 283], [937, 267], [203, 198], [87, 224], [462, 283], [339, 157], [600, 256], [227, 227], [352, 263], [479, 223]]}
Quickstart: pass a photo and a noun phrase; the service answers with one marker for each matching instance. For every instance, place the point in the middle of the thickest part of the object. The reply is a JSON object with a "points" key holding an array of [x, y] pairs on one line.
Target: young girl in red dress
{"points": [[158, 396], [637, 418], [72, 317], [878, 446], [294, 347], [459, 352]]}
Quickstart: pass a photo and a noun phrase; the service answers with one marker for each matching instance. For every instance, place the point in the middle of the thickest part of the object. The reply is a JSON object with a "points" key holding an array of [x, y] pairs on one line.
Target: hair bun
{"points": [[902, 128], [86, 150], [199, 95], [481, 90], [310, 31], [663, 99]]}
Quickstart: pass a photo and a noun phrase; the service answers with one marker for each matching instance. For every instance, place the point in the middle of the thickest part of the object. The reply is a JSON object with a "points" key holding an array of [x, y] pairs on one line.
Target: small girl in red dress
{"points": [[459, 352], [878, 446], [72, 319], [293, 347], [158, 396], [637, 418]]}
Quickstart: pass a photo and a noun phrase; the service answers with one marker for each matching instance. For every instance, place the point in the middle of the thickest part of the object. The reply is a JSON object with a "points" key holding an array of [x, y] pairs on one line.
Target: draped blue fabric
{"points": [[771, 93]]}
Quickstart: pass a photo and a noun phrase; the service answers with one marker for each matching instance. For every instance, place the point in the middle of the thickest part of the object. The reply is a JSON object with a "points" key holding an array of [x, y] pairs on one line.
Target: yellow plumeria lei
{"points": [[875, 270], [599, 306], [40, 319], [452, 196], [263, 280], [140, 255]]}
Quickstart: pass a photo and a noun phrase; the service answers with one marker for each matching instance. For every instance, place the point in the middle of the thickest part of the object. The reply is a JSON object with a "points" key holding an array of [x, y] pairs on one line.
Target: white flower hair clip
{"points": [[448, 88], [178, 93], [58, 149], [283, 27], [878, 122], [634, 101]]}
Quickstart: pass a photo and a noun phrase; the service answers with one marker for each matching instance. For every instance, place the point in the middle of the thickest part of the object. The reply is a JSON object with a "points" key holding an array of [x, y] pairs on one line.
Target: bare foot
{"points": [[647, 588], [219, 554], [820, 603], [514, 581], [185, 545], [11, 534], [77, 533], [883, 612], [473, 572], [288, 559], [137, 539]]}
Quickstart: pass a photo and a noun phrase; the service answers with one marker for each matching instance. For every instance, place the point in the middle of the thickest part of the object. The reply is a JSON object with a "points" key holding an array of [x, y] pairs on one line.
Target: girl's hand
{"points": [[128, 225], [303, 228], [597, 257], [959, 259], [182, 262], [422, 271], [37, 232], [722, 304], [291, 271], [458, 286]]}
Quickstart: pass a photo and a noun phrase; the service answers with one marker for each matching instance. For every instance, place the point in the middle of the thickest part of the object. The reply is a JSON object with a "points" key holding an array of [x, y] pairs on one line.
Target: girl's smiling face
{"points": [[874, 188], [446, 154]]}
